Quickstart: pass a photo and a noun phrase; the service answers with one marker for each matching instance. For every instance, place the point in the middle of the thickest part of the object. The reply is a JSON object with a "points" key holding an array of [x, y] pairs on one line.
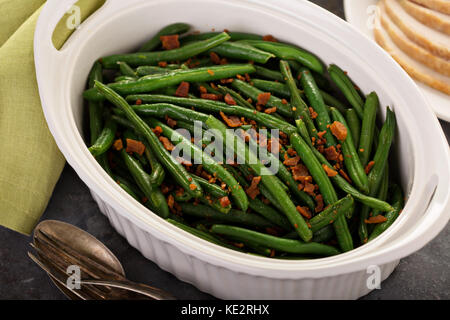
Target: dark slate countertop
{"points": [[423, 275]]}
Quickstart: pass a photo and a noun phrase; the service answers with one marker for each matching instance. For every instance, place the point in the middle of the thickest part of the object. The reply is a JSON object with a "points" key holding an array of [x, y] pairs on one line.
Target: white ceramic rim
{"points": [[90, 172]]}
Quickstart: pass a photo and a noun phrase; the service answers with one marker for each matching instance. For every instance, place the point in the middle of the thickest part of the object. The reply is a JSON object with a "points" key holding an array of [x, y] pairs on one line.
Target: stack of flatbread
{"points": [[416, 33]]}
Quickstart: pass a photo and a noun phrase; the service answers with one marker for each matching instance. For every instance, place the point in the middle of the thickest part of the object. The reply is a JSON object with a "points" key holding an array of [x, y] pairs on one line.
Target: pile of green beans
{"points": [[154, 113]]}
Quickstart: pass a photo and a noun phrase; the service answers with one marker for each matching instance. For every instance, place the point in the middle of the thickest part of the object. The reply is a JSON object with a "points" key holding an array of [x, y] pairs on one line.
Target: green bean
{"points": [[269, 74], [160, 110], [238, 194], [376, 173], [124, 79], [208, 88], [391, 216], [277, 88], [288, 52], [260, 250], [185, 197], [316, 101], [95, 115], [234, 216], [354, 124], [209, 106], [269, 213], [368, 126], [253, 93], [175, 168], [246, 171], [158, 81], [126, 70], [236, 96], [267, 179], [351, 158], [343, 184], [257, 205], [347, 87], [236, 50], [157, 200], [152, 58], [202, 235], [211, 188], [172, 29], [105, 139], [325, 187], [331, 213], [299, 107], [234, 36], [158, 174], [384, 188], [95, 109], [324, 234], [149, 70], [333, 102], [284, 245], [128, 187]]}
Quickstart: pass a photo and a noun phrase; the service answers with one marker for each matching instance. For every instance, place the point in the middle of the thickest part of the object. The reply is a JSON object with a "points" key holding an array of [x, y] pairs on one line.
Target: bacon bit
{"points": [[118, 144], [224, 202], [321, 134], [284, 101], [253, 190], [225, 81], [330, 172], [229, 100], [304, 211], [263, 98], [170, 201], [295, 226], [345, 176], [294, 109], [369, 166], [247, 77], [157, 131], [331, 153], [376, 219], [300, 172], [210, 72], [339, 130], [361, 150], [214, 58], [319, 201], [291, 162], [272, 253], [138, 102], [270, 38], [313, 113], [231, 121], [240, 77], [271, 110], [192, 186], [162, 64], [165, 189], [135, 146], [182, 90], [170, 42], [144, 199], [223, 61], [202, 90], [172, 123], [211, 96], [166, 143], [309, 188]]}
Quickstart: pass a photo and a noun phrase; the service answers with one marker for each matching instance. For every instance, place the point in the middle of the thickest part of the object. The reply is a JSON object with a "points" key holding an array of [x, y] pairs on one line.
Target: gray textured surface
{"points": [[423, 275]]}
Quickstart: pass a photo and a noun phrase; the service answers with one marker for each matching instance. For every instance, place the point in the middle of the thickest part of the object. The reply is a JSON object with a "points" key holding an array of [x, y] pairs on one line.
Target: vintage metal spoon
{"points": [[60, 246]]}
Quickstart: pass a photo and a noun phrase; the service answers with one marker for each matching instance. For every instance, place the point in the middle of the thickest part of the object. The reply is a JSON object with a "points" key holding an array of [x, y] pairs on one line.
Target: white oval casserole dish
{"points": [[120, 26]]}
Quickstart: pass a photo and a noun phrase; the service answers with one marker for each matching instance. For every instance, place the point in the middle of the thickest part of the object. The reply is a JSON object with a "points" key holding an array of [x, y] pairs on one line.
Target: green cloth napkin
{"points": [[30, 162]]}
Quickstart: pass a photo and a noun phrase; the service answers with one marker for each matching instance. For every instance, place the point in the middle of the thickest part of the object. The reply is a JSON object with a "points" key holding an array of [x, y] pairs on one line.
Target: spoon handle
{"points": [[152, 293]]}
